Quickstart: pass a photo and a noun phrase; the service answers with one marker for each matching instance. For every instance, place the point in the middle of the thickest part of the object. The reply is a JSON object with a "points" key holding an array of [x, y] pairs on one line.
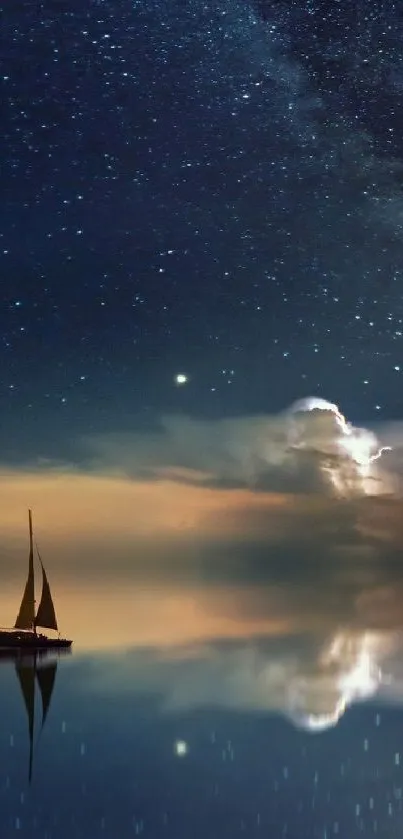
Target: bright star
{"points": [[181, 379]]}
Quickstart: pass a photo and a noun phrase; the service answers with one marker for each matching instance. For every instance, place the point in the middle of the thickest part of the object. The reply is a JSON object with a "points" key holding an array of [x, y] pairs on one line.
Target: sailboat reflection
{"points": [[33, 669]]}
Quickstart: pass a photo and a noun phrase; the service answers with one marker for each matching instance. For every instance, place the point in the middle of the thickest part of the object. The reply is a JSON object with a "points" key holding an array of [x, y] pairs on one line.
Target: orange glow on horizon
{"points": [[95, 532], [102, 616], [80, 506], [93, 519]]}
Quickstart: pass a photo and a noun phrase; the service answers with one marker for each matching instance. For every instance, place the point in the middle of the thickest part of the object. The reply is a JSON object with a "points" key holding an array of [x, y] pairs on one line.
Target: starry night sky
{"points": [[212, 189], [208, 188]]}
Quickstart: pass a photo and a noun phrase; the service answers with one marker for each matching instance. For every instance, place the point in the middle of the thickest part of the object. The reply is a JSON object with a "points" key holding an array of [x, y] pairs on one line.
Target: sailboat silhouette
{"points": [[28, 674], [25, 635]]}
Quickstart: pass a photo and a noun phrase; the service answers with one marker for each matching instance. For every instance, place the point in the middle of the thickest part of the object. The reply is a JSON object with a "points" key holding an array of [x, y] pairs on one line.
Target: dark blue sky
{"points": [[210, 188]]}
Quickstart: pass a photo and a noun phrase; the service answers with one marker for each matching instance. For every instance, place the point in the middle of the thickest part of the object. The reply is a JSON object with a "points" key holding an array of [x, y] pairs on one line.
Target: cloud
{"points": [[239, 492], [305, 475], [311, 448]]}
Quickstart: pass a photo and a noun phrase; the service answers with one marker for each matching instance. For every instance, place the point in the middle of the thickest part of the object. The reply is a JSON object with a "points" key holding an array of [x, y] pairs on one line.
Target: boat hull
{"points": [[30, 641]]}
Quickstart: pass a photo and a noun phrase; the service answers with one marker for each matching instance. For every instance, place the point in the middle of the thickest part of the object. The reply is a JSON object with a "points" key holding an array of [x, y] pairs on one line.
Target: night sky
{"points": [[201, 224], [211, 189]]}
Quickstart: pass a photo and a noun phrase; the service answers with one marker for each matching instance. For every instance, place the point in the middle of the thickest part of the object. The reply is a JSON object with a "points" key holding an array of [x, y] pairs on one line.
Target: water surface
{"points": [[269, 705]]}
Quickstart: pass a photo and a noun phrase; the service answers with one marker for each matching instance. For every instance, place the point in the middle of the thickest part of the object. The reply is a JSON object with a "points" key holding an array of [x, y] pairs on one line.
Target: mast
{"points": [[26, 615]]}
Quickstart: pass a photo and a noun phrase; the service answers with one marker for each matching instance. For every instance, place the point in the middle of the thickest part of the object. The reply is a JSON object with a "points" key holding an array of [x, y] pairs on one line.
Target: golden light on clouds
{"points": [[96, 531], [74, 506], [98, 516]]}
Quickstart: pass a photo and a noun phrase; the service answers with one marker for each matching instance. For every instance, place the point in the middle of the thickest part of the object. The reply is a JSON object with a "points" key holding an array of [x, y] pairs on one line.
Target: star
{"points": [[181, 379]]}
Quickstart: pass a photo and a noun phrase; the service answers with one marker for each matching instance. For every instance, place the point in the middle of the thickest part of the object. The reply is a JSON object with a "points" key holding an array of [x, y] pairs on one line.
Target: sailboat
{"points": [[24, 635]]}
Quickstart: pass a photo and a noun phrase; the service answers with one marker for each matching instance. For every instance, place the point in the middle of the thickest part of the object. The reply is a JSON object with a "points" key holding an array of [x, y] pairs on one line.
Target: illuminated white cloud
{"points": [[309, 448], [318, 425]]}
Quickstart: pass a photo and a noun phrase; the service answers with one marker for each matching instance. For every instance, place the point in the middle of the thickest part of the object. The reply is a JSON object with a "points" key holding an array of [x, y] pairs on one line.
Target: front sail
{"points": [[46, 615], [26, 615]]}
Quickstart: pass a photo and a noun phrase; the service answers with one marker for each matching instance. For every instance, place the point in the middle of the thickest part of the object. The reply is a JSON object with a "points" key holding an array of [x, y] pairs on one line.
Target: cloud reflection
{"points": [[292, 676], [289, 647]]}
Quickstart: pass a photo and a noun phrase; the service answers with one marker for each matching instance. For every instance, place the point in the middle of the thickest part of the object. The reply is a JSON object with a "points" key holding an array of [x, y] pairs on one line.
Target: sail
{"points": [[46, 615], [26, 615], [26, 677], [46, 680]]}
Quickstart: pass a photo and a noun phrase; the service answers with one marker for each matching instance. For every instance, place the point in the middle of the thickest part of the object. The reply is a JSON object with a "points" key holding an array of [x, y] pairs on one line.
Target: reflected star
{"points": [[181, 748]]}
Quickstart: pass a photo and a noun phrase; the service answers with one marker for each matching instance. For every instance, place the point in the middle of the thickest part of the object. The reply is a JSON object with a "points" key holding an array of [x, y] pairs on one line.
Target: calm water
{"points": [[231, 708]]}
